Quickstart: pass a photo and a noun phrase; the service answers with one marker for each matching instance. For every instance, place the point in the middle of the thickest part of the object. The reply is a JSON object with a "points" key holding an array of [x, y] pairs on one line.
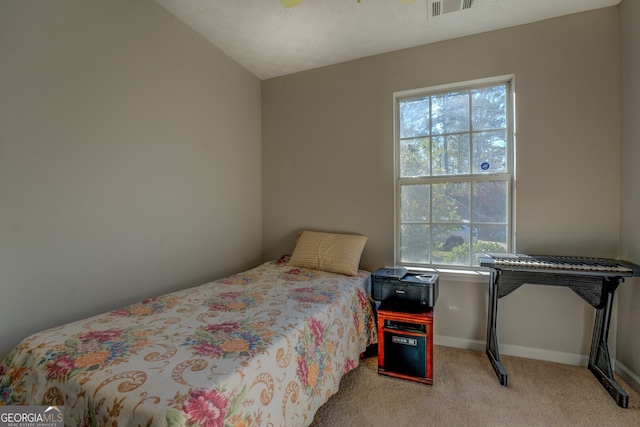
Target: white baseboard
{"points": [[465, 344], [515, 350], [538, 354], [626, 374]]}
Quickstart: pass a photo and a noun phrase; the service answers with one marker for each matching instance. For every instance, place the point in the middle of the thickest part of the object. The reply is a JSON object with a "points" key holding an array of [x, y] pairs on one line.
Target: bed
{"points": [[264, 347]]}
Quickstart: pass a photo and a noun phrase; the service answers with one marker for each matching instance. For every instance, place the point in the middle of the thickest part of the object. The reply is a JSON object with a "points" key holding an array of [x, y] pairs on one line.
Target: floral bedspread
{"points": [[263, 347]]}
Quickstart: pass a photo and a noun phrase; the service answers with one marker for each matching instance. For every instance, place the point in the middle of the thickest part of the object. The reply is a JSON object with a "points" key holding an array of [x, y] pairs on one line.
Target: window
{"points": [[454, 172]]}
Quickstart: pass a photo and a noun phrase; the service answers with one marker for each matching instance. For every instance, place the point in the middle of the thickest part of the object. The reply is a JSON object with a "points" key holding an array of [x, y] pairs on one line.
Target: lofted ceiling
{"points": [[271, 40]]}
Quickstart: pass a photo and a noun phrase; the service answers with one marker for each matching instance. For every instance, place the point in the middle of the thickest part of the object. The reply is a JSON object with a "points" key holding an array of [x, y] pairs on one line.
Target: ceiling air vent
{"points": [[440, 7]]}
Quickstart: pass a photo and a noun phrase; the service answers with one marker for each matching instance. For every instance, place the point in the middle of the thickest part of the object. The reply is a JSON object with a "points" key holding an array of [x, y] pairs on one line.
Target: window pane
{"points": [[451, 202], [415, 203], [491, 238], [490, 202], [414, 243], [451, 155], [495, 234], [489, 108], [415, 158], [450, 113], [451, 244], [414, 118], [490, 152]]}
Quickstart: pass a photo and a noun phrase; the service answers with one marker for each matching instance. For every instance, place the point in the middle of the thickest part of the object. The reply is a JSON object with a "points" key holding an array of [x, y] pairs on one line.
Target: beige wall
{"points": [[130, 160], [327, 164], [628, 355]]}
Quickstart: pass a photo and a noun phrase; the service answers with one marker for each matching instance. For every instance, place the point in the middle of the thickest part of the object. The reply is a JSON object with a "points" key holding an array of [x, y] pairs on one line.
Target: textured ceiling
{"points": [[270, 40]]}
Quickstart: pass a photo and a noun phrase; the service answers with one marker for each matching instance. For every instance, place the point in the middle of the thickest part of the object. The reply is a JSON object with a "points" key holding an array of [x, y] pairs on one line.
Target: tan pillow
{"points": [[337, 253]]}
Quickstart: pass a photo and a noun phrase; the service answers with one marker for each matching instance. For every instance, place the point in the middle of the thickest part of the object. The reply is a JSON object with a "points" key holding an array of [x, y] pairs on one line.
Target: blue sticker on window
{"points": [[485, 166]]}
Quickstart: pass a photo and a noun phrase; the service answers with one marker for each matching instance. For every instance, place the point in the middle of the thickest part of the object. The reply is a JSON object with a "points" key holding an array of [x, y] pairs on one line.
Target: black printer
{"points": [[397, 283]]}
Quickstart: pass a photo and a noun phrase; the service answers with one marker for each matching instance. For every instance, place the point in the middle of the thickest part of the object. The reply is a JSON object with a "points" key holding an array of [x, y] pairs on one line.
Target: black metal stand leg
{"points": [[492, 336], [599, 361]]}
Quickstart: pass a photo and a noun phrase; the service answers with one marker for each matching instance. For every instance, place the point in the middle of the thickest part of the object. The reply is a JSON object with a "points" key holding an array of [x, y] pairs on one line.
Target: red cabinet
{"points": [[405, 343]]}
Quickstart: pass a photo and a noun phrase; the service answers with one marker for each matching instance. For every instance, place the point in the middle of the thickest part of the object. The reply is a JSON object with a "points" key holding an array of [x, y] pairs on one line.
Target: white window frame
{"points": [[508, 176]]}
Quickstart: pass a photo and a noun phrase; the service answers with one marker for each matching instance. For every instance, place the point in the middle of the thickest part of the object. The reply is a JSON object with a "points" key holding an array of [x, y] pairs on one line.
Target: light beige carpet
{"points": [[466, 392]]}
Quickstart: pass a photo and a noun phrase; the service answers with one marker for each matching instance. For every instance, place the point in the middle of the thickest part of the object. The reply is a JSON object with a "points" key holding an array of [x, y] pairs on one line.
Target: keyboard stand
{"points": [[596, 290], [492, 334], [599, 361]]}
